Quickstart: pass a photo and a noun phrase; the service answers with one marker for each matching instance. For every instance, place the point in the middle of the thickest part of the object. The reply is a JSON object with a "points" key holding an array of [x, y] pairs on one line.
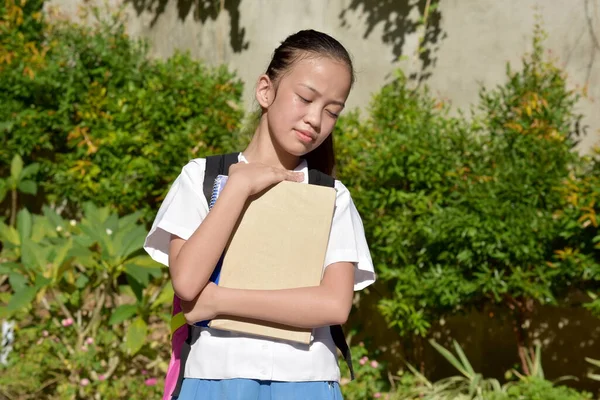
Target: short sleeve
{"points": [[180, 213], [347, 242]]}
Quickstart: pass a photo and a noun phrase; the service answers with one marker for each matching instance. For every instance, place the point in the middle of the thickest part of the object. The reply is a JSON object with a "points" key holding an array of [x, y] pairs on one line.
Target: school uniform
{"points": [[228, 365]]}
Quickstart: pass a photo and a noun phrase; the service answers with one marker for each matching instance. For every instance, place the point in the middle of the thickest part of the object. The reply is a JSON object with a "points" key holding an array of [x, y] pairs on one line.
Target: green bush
{"points": [[107, 123], [461, 214], [537, 389], [91, 308], [470, 385], [369, 373]]}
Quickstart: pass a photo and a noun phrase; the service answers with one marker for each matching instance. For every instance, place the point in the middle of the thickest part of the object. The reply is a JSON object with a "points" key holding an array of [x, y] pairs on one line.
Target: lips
{"points": [[305, 136]]}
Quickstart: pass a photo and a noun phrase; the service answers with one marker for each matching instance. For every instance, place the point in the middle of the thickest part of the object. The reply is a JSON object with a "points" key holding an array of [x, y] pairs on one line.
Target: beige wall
{"points": [[470, 42]]}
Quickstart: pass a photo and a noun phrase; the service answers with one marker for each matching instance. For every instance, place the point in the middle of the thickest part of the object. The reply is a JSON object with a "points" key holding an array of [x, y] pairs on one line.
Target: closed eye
{"points": [[304, 100], [334, 115]]}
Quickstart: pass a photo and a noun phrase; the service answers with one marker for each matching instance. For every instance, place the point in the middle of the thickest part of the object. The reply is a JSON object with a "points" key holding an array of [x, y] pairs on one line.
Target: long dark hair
{"points": [[310, 43]]}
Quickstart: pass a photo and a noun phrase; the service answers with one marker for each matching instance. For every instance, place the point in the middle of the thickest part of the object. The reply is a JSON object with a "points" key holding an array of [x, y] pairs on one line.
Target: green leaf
{"points": [[24, 224], [140, 274], [450, 357], [21, 299], [54, 219], [3, 189], [16, 167], [8, 267], [165, 297], [129, 220], [33, 256], [136, 288], [464, 359], [9, 234], [136, 336], [17, 281], [41, 281], [593, 361], [144, 261], [81, 281], [61, 252], [28, 187], [122, 313], [127, 244], [29, 170]]}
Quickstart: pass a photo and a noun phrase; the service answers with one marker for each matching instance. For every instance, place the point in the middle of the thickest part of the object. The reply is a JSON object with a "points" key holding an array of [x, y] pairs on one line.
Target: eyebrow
{"points": [[340, 103]]}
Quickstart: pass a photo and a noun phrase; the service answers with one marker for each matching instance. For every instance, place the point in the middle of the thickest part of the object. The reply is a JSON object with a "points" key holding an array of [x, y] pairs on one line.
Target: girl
{"points": [[301, 96]]}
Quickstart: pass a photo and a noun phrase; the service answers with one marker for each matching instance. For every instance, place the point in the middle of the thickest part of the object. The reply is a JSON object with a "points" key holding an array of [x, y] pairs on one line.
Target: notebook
{"points": [[279, 242]]}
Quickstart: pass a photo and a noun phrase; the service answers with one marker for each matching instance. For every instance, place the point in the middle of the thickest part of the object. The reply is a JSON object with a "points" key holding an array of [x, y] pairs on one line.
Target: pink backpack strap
{"points": [[179, 334]]}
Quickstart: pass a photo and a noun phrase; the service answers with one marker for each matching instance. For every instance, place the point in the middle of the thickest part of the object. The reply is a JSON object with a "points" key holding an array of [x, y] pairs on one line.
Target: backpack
{"points": [[181, 332]]}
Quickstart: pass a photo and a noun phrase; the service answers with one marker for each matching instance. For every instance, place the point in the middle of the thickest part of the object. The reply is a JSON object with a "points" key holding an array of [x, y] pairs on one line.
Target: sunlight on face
{"points": [[308, 101]]}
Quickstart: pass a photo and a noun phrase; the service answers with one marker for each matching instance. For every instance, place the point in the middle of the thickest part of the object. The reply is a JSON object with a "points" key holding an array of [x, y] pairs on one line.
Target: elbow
{"points": [[340, 313], [184, 290]]}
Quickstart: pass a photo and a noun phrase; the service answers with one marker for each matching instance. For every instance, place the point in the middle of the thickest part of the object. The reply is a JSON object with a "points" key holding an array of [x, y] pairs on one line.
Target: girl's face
{"points": [[303, 109]]}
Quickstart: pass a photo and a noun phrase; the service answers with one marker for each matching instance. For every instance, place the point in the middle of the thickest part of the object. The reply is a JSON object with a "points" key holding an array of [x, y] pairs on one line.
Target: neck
{"points": [[263, 149]]}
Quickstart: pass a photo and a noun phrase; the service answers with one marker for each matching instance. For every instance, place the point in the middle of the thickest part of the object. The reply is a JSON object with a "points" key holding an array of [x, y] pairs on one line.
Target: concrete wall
{"points": [[470, 41]]}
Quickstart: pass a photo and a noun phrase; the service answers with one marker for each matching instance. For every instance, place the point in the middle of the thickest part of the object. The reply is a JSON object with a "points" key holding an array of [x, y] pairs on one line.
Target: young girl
{"points": [[301, 96]]}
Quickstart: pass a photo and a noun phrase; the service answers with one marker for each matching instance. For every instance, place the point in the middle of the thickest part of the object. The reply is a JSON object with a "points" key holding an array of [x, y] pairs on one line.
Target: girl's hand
{"points": [[203, 307], [253, 178]]}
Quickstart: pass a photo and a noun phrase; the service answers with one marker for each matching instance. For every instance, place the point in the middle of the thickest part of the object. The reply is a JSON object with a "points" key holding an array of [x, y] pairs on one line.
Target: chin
{"points": [[297, 148], [300, 150]]}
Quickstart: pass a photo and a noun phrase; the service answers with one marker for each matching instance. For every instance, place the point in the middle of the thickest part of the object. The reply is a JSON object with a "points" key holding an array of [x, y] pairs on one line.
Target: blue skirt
{"points": [[249, 389]]}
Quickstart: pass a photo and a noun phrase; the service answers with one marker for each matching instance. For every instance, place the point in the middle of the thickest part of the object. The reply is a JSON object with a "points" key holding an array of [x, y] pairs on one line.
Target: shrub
{"points": [[107, 123], [370, 380], [463, 214], [91, 307]]}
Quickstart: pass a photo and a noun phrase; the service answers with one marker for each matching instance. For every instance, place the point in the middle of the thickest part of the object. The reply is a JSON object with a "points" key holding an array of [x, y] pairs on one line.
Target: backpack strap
{"points": [[215, 165], [316, 177]]}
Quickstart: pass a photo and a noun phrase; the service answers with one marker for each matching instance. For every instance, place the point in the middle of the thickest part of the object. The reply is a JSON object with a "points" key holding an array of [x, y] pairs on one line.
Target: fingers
{"points": [[286, 175], [295, 176]]}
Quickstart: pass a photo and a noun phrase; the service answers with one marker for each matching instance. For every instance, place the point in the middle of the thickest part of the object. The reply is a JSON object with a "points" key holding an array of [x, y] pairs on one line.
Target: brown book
{"points": [[279, 242]]}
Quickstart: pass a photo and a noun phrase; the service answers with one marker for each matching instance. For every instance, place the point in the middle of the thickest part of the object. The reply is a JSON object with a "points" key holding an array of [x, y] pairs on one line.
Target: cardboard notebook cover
{"points": [[279, 243]]}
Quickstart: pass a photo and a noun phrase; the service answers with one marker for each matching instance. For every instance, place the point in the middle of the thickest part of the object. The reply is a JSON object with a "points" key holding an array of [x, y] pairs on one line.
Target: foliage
{"points": [[370, 379], [462, 214], [107, 123], [580, 250], [595, 363], [471, 385], [538, 389], [18, 181], [68, 282]]}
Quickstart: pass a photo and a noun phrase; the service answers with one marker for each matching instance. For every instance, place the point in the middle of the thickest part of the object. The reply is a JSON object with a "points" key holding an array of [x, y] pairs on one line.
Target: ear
{"points": [[264, 91]]}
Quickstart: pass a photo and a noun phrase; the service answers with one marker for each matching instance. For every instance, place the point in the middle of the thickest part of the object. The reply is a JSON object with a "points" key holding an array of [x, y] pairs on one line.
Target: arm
{"points": [[310, 307], [192, 262]]}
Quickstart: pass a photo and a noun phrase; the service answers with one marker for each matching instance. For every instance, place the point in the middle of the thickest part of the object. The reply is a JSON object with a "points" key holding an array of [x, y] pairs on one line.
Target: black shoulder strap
{"points": [[316, 177], [215, 165]]}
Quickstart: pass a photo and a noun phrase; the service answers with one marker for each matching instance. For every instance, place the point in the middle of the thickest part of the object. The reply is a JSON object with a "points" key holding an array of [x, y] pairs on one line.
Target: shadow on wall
{"points": [[201, 10], [397, 17]]}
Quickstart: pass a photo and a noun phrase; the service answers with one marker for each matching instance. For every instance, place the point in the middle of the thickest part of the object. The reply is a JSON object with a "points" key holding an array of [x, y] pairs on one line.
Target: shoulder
{"points": [[195, 165], [342, 191], [194, 170]]}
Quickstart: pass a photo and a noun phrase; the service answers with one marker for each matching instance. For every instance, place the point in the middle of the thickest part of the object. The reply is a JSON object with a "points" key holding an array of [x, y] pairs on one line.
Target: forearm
{"points": [[197, 258], [309, 307]]}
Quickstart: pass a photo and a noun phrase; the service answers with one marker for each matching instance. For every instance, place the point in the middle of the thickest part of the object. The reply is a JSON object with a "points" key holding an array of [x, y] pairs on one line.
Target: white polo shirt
{"points": [[217, 354]]}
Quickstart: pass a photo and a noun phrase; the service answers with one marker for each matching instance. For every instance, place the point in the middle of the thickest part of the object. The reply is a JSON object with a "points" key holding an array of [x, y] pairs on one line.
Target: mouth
{"points": [[305, 136]]}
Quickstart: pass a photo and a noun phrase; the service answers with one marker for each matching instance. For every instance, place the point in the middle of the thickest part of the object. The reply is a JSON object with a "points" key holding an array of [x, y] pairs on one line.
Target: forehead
{"points": [[329, 77]]}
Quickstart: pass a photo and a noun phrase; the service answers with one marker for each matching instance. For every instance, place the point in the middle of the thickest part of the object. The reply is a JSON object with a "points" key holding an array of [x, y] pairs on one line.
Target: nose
{"points": [[313, 118]]}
